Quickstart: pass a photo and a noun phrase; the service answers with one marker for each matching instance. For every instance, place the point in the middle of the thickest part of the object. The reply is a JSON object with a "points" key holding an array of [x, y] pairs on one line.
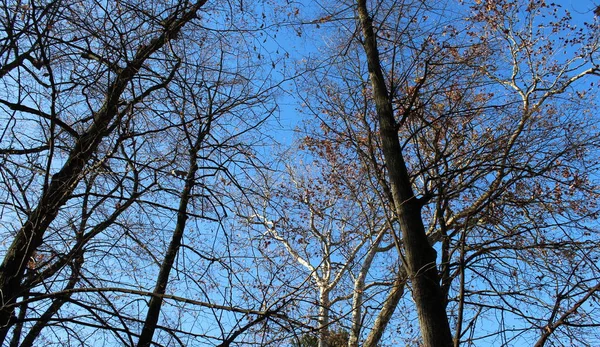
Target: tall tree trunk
{"points": [[160, 288], [389, 306], [324, 306], [359, 287], [420, 256], [163, 276]]}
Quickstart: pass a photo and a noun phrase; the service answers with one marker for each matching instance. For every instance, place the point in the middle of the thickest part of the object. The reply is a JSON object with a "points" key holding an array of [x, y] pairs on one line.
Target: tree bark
{"points": [[324, 307], [420, 256]]}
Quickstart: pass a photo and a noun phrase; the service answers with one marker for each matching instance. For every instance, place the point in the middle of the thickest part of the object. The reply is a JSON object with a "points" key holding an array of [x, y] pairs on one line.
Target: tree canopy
{"points": [[313, 173]]}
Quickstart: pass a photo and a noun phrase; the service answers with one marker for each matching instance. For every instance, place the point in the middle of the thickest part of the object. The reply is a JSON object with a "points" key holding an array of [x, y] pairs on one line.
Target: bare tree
{"points": [[105, 108], [487, 153], [450, 152], [324, 219]]}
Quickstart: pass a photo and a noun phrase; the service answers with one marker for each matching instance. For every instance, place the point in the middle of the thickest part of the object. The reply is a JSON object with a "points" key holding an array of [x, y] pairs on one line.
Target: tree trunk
{"points": [[359, 287], [420, 256], [389, 306], [160, 288], [163, 276], [36, 329], [324, 306]]}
